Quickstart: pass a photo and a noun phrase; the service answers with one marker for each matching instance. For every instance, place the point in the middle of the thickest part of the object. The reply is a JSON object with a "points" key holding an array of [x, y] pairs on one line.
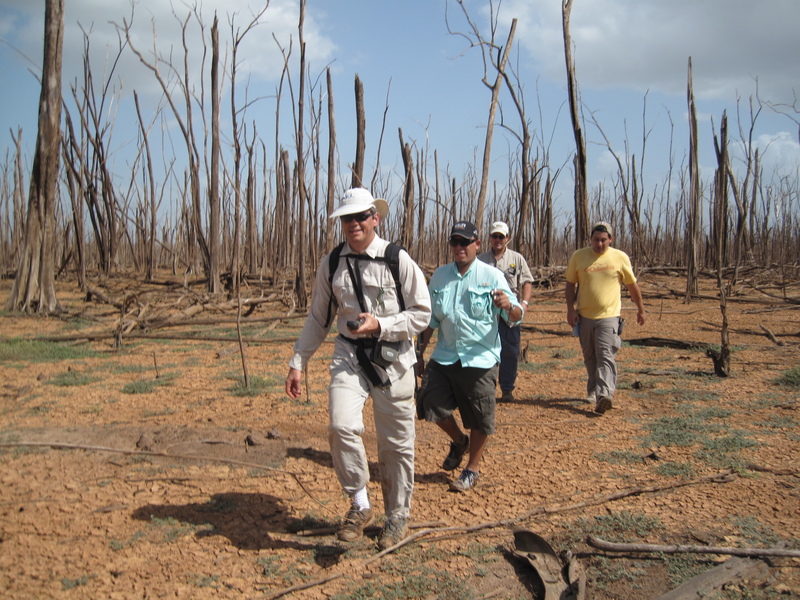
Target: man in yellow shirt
{"points": [[597, 271]]}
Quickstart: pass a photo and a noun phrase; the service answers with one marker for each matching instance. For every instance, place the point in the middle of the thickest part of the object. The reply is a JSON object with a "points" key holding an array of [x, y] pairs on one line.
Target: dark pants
{"points": [[509, 354]]}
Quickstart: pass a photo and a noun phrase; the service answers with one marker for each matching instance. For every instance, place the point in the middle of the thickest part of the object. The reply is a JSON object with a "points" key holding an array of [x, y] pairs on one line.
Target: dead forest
{"points": [[230, 206]]}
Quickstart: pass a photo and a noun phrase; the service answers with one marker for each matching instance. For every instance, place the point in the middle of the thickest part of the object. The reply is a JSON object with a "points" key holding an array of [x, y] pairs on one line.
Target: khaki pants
{"points": [[395, 413], [600, 342]]}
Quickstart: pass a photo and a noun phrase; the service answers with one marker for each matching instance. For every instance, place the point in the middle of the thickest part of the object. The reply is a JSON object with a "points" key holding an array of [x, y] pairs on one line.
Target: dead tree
{"points": [[357, 179], [694, 195], [329, 227], [150, 196], [185, 122], [300, 281], [34, 283], [581, 191], [213, 255], [498, 62], [722, 357], [407, 225]]}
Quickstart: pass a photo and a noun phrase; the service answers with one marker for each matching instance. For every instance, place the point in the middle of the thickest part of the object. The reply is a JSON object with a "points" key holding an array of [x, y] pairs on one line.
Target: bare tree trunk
{"points": [[694, 195], [581, 192], [361, 142], [73, 175], [213, 187], [721, 359], [34, 284], [329, 228], [150, 197], [407, 226], [487, 147], [300, 282]]}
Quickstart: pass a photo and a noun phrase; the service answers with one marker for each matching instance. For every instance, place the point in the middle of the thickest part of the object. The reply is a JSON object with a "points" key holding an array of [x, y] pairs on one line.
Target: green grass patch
{"points": [[681, 430], [778, 422], [682, 567], [620, 457], [72, 378], [258, 385], [615, 527], [790, 378], [755, 533], [145, 386], [273, 568], [17, 349], [675, 469], [71, 584]]}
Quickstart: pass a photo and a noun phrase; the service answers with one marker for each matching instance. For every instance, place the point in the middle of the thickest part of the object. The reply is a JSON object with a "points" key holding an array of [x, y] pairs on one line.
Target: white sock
{"points": [[361, 499]]}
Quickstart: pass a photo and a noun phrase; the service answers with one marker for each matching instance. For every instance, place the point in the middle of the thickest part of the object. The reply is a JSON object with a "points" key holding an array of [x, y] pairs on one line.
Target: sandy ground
{"points": [[155, 478]]}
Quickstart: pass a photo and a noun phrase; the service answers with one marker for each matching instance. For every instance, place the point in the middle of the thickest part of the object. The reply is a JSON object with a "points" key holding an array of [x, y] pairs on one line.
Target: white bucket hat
{"points": [[357, 200]]}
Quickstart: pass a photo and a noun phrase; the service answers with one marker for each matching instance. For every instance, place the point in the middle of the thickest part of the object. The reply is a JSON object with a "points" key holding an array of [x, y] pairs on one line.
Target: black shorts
{"points": [[471, 390]]}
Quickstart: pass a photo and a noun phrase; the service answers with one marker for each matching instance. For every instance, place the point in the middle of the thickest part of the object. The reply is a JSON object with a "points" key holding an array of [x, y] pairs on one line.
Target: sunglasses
{"points": [[459, 241], [360, 217], [498, 236]]}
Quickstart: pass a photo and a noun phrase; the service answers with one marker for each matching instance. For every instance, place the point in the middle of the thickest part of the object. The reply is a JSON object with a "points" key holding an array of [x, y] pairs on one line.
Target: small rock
{"points": [[145, 442]]}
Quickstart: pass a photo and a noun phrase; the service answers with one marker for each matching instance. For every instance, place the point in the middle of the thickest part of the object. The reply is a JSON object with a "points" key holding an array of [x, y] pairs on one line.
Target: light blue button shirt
{"points": [[465, 314]]}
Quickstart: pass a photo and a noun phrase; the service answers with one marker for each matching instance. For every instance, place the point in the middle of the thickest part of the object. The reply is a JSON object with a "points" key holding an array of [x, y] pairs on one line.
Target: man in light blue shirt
{"points": [[467, 297]]}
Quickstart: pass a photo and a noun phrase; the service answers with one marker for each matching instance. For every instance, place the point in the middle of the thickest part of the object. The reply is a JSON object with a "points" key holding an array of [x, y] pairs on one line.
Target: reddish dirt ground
{"points": [[164, 493]]}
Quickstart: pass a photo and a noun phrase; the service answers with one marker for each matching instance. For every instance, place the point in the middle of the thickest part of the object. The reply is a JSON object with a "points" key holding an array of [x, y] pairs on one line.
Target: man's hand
{"points": [[369, 326], [293, 386], [572, 316]]}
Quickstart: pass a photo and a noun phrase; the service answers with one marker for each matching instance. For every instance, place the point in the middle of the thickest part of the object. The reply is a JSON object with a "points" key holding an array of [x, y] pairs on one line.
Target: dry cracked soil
{"points": [[140, 465]]}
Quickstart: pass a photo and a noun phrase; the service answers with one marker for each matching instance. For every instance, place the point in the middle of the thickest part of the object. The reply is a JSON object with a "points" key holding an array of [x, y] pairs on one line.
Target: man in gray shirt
{"points": [[515, 268]]}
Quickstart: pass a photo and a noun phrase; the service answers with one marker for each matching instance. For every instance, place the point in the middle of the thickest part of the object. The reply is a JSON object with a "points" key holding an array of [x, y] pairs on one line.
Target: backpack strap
{"points": [[333, 264], [391, 257]]}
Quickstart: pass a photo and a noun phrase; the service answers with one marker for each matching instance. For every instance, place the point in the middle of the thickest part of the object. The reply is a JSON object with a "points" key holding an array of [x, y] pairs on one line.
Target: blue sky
{"points": [[624, 50]]}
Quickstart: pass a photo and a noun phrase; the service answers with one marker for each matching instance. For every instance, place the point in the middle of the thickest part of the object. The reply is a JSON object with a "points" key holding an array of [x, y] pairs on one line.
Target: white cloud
{"points": [[646, 44], [156, 25]]}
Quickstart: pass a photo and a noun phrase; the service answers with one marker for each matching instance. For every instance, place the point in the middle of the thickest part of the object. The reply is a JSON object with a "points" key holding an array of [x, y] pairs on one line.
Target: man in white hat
{"points": [[597, 271], [518, 274], [374, 324]]}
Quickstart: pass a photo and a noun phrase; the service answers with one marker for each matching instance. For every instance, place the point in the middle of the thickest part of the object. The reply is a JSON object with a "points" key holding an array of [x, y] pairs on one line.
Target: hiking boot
{"points": [[354, 523], [394, 531], [467, 480], [591, 398], [508, 396], [603, 404], [456, 454]]}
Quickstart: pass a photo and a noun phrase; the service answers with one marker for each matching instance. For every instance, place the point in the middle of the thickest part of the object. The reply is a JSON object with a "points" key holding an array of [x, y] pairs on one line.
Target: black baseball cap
{"points": [[464, 229]]}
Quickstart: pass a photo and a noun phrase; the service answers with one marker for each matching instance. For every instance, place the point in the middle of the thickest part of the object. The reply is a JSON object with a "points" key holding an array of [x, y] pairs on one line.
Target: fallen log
{"points": [[680, 549], [713, 580]]}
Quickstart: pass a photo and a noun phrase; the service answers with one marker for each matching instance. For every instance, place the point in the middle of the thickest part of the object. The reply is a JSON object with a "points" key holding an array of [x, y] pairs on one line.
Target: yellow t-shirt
{"points": [[598, 277]]}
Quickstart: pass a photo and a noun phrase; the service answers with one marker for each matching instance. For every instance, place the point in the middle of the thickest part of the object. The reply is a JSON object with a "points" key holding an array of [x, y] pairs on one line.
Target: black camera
{"points": [[353, 325]]}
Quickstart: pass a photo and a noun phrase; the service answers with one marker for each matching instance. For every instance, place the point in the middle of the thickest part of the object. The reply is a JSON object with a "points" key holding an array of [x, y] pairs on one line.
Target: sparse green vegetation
{"points": [[682, 567], [17, 349], [71, 584], [675, 469], [615, 527], [620, 457], [72, 378], [790, 378], [258, 385], [145, 386]]}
